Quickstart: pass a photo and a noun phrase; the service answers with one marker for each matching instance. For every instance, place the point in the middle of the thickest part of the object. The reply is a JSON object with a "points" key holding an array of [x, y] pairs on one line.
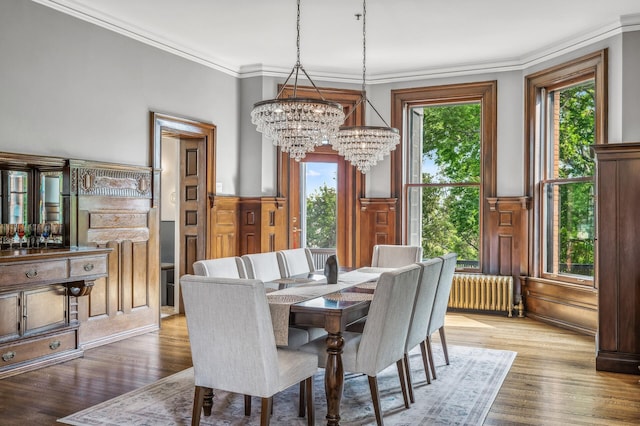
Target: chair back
{"points": [[442, 293], [395, 256], [262, 266], [295, 262], [385, 331], [425, 296], [225, 267], [233, 347]]}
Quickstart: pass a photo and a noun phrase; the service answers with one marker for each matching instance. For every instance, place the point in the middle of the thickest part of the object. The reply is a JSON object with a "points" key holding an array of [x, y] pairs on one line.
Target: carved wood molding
{"points": [[494, 202], [365, 203], [100, 179]]}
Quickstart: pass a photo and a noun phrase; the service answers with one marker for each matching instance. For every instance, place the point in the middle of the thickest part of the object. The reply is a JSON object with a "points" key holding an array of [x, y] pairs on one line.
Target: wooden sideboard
{"points": [[39, 292]]}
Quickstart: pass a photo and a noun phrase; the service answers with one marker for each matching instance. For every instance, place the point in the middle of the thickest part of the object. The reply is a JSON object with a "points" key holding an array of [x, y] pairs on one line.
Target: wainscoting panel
{"points": [[508, 239], [377, 225], [570, 306], [225, 226], [112, 204], [263, 225]]}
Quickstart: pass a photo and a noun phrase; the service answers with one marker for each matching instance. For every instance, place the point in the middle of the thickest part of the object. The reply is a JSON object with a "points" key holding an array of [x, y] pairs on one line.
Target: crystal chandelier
{"points": [[364, 146], [297, 125]]}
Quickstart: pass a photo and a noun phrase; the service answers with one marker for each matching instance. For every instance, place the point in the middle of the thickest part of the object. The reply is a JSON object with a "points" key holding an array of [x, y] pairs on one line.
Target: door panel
{"points": [[193, 202]]}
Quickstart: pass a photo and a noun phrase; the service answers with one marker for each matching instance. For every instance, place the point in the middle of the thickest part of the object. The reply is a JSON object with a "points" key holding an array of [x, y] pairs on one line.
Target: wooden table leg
{"points": [[334, 377], [207, 405]]}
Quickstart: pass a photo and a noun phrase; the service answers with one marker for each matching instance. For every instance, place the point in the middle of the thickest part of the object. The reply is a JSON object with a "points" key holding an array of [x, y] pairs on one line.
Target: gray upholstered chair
{"points": [[264, 267], [422, 307], [439, 311], [383, 339], [295, 262], [226, 267], [233, 347], [395, 256]]}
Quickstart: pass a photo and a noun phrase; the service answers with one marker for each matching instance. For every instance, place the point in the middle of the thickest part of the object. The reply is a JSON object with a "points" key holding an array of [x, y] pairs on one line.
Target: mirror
{"points": [[32, 197]]}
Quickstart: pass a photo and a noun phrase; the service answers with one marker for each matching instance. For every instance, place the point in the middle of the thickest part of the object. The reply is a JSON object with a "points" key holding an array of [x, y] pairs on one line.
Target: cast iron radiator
{"points": [[480, 292]]}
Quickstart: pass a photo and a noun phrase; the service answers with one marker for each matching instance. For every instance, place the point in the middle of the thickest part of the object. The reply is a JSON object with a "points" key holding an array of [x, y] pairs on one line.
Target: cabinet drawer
{"points": [[34, 272], [84, 266], [30, 350]]}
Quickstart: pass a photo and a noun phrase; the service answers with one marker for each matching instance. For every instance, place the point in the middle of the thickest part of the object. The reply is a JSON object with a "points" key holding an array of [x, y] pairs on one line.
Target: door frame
{"points": [[354, 186], [180, 127]]}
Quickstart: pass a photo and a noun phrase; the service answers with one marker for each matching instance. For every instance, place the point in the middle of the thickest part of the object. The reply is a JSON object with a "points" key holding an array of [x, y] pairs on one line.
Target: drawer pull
{"points": [[54, 345], [88, 267], [32, 273], [8, 356]]}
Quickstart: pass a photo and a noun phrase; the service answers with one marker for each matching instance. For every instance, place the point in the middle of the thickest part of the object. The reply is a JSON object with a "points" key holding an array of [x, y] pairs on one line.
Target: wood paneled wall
{"points": [[377, 225], [508, 242], [263, 225], [225, 219], [111, 207]]}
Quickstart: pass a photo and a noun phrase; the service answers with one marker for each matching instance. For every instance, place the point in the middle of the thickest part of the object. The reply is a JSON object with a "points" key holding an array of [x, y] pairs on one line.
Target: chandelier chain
{"points": [[364, 45], [298, 36]]}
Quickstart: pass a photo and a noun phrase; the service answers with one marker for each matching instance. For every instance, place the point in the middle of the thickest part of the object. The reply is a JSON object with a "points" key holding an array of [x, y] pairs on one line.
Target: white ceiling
{"points": [[405, 38]]}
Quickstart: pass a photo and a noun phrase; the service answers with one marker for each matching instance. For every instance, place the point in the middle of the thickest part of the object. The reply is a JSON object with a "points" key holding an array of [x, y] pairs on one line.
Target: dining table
{"points": [[308, 301]]}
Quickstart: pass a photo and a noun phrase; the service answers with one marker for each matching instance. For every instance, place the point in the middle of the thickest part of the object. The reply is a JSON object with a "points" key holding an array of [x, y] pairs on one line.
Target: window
{"points": [[443, 188], [446, 168], [565, 106]]}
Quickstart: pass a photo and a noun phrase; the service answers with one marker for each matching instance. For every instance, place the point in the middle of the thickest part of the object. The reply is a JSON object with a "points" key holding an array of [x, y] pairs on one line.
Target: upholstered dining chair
{"points": [[295, 262], [225, 267], [422, 307], [383, 339], [233, 347], [439, 311], [264, 267], [395, 256]]}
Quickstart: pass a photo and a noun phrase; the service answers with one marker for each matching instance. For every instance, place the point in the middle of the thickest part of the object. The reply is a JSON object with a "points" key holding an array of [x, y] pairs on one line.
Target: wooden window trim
{"points": [[592, 66], [483, 92]]}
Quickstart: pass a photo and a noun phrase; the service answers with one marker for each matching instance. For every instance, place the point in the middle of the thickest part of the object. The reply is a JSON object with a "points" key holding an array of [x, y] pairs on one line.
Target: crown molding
{"points": [[624, 24]]}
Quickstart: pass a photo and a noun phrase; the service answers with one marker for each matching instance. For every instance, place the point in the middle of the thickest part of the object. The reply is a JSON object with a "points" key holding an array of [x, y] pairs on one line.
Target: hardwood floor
{"points": [[553, 380]]}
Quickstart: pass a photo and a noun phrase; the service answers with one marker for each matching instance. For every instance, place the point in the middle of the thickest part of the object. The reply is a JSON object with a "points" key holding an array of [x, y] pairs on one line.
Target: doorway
{"points": [[184, 171], [350, 184]]}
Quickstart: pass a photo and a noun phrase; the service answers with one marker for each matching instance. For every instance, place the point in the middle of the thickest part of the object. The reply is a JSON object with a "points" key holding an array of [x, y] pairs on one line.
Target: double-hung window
{"points": [[564, 104]]}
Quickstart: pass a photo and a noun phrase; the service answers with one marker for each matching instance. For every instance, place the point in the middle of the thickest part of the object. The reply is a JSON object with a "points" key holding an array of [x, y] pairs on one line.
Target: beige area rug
{"points": [[462, 395]]}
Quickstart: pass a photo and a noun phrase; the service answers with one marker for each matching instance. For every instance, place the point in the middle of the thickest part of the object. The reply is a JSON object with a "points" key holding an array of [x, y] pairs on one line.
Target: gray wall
{"points": [[72, 89]]}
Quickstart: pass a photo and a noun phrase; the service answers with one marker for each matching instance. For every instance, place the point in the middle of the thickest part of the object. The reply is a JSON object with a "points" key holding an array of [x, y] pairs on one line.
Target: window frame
{"points": [[537, 86], [484, 92]]}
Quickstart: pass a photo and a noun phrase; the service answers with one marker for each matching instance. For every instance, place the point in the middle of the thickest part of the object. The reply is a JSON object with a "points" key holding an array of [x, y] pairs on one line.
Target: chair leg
{"points": [[375, 397], [407, 368], [430, 353], [265, 413], [403, 384], [425, 363], [443, 340], [311, 411], [301, 401], [198, 401], [247, 405]]}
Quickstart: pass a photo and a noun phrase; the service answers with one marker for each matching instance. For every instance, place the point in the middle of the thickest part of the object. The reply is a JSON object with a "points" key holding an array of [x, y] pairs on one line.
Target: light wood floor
{"points": [[553, 380]]}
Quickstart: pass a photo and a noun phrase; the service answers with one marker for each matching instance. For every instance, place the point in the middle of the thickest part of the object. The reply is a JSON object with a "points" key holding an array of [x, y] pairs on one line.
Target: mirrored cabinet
{"points": [[34, 207], [42, 278]]}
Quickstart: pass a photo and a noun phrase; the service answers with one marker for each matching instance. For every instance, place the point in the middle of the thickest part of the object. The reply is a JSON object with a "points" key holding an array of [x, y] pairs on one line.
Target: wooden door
{"points": [[193, 202], [344, 216]]}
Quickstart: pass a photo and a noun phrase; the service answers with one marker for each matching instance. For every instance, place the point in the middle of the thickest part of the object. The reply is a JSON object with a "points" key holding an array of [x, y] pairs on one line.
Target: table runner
{"points": [[280, 301]]}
